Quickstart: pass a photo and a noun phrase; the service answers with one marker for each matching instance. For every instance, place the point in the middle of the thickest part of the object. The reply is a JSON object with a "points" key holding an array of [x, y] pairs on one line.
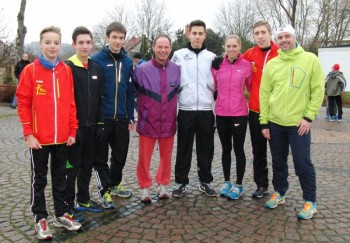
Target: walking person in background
{"points": [[119, 101], [231, 78], [46, 93], [335, 86], [88, 92], [291, 94], [259, 56], [157, 82], [195, 117], [18, 70]]}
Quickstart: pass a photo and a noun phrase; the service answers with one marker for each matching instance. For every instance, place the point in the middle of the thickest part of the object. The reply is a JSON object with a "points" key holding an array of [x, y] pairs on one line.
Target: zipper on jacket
{"points": [[197, 82], [89, 95], [117, 71], [35, 123], [55, 105], [265, 61]]}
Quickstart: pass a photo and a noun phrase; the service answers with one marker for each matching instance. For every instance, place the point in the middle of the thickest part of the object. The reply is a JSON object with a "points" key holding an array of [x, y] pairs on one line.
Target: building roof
{"points": [[129, 45]]}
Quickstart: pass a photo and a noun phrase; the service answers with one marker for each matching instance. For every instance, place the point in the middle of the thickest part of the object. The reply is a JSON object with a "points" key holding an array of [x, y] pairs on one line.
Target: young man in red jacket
{"points": [[46, 108], [259, 55]]}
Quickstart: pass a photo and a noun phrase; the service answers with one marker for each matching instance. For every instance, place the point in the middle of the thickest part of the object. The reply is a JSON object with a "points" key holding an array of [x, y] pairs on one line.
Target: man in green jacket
{"points": [[291, 94]]}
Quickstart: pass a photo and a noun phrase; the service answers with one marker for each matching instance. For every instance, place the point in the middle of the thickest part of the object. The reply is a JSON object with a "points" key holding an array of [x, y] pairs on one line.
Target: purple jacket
{"points": [[230, 81], [157, 87]]}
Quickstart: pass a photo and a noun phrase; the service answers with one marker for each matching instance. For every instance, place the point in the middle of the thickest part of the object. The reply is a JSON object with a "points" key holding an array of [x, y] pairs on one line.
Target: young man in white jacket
{"points": [[195, 117]]}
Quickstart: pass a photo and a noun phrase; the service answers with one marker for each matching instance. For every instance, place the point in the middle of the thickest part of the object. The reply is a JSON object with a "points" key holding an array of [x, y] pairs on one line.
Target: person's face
{"points": [[115, 40], [286, 41], [25, 57], [50, 45], [83, 46], [197, 36], [162, 49], [262, 36], [232, 48]]}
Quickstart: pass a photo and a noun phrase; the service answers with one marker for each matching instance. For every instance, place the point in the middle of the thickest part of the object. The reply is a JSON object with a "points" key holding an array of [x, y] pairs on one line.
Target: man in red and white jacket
{"points": [[259, 55]]}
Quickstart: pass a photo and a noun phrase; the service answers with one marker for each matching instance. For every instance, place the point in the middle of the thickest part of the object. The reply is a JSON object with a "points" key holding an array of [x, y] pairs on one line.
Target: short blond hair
{"points": [[51, 28], [262, 23]]}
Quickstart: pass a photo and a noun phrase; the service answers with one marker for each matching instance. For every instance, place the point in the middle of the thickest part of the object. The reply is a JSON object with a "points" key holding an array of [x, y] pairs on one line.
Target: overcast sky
{"points": [[69, 14]]}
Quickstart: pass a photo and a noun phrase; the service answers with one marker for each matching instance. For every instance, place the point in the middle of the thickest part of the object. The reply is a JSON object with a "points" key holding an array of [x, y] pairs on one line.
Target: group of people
{"points": [[74, 111]]}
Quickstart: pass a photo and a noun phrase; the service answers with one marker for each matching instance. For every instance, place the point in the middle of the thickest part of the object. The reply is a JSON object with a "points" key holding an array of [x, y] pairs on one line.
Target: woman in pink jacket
{"points": [[232, 74]]}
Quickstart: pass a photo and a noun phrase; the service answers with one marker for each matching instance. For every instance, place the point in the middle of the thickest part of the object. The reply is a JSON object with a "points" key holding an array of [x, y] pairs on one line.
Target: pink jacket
{"points": [[230, 81]]}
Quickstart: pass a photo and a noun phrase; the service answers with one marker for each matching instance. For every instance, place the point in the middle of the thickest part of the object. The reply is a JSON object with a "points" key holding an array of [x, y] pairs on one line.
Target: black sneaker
{"points": [[259, 193], [76, 215], [181, 188], [207, 189]]}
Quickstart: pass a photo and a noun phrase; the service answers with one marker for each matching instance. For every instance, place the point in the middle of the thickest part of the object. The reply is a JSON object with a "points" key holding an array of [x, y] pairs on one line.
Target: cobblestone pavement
{"points": [[195, 217]]}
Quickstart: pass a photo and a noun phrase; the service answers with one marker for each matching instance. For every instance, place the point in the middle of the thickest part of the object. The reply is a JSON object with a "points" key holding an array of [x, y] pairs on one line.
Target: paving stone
{"points": [[194, 217]]}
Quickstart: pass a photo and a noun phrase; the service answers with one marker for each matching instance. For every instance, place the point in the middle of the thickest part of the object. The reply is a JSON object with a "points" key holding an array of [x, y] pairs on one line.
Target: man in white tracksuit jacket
{"points": [[195, 117]]}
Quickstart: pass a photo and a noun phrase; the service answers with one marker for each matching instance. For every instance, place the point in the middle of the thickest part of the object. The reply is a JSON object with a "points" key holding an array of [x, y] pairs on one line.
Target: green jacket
{"points": [[292, 88]]}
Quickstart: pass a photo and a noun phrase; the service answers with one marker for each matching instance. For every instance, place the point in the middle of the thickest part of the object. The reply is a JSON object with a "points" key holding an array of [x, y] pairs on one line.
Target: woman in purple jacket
{"points": [[232, 75]]}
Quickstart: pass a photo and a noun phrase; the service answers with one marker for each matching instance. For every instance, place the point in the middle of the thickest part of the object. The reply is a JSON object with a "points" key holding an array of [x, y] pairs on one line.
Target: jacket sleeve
{"points": [[342, 81], [214, 73], [265, 91], [317, 83], [24, 96], [100, 118], [130, 97], [248, 80], [17, 71], [73, 121]]}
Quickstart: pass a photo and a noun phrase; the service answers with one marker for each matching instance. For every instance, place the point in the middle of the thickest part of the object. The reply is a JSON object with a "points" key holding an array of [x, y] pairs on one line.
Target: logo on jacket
{"points": [[172, 84], [254, 67], [40, 90], [187, 57]]}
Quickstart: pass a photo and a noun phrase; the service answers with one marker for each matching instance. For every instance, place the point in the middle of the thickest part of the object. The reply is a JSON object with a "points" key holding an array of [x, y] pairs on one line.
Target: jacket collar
{"points": [[157, 64]]}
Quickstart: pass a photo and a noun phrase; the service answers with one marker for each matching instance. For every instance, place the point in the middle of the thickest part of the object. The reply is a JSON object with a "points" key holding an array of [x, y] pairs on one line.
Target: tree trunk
{"points": [[21, 30]]}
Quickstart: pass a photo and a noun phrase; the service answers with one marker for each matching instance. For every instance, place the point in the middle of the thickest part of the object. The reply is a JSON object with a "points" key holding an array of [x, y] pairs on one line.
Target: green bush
{"points": [[346, 98], [8, 79]]}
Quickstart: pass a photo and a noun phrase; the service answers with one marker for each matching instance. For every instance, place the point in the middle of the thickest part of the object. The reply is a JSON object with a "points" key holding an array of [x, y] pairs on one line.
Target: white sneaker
{"points": [[42, 230], [145, 197], [66, 222], [162, 192]]}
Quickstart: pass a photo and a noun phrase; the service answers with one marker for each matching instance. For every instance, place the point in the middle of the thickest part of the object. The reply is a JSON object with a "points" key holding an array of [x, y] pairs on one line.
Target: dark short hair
{"points": [[80, 30], [137, 55], [115, 26], [197, 23]]}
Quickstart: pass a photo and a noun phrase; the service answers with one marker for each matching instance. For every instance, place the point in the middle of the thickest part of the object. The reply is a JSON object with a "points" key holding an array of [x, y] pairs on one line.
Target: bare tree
{"points": [[236, 17], [151, 18], [21, 30], [119, 13]]}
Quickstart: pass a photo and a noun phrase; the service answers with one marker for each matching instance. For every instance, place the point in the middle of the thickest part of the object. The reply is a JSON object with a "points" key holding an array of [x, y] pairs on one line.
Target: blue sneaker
{"points": [[107, 201], [308, 211], [226, 187], [76, 215], [90, 206], [275, 200], [235, 192]]}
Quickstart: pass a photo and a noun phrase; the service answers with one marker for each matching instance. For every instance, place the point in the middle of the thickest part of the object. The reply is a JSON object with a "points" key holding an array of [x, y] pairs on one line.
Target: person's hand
{"points": [[266, 133], [216, 62], [131, 126], [70, 141], [99, 133], [32, 142], [304, 127]]}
